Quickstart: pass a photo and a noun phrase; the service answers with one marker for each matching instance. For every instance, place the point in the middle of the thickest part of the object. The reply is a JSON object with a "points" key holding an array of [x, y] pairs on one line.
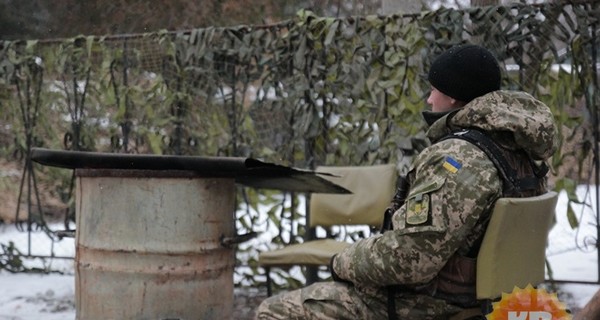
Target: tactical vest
{"points": [[521, 177]]}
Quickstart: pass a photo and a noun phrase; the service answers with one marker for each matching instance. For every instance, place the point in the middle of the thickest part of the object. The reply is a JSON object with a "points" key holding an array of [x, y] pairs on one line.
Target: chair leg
{"points": [[269, 290], [312, 274]]}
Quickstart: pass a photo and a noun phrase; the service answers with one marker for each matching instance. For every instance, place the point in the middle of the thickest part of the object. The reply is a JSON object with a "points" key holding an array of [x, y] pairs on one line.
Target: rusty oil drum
{"points": [[148, 245]]}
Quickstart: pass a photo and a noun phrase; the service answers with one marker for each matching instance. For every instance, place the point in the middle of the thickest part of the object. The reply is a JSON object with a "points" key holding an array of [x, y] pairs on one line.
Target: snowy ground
{"points": [[51, 297]]}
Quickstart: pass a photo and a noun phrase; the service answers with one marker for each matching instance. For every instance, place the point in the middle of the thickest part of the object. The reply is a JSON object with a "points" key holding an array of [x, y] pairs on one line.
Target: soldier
{"points": [[423, 266]]}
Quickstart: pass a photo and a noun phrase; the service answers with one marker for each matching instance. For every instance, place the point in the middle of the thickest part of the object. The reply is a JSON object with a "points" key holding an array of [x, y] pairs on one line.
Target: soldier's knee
{"points": [[263, 312]]}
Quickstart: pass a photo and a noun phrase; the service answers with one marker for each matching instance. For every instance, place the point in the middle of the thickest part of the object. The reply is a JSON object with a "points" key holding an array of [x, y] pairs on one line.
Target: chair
{"points": [[513, 251], [372, 190]]}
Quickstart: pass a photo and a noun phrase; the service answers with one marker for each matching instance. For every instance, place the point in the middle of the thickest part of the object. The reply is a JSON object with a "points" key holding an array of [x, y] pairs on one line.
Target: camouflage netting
{"points": [[303, 92]]}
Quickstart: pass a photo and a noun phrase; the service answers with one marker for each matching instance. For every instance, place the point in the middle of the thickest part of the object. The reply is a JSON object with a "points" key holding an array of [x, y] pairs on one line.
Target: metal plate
{"points": [[246, 171]]}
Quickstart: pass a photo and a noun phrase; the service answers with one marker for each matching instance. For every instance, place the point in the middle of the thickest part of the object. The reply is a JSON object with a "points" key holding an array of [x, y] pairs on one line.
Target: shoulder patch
{"points": [[418, 210], [452, 165]]}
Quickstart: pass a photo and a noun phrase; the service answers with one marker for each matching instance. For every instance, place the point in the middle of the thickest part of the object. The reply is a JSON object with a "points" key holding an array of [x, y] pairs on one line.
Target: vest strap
{"points": [[512, 184]]}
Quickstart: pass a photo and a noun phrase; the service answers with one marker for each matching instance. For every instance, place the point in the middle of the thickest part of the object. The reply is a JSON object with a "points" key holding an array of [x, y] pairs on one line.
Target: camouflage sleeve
{"points": [[453, 182]]}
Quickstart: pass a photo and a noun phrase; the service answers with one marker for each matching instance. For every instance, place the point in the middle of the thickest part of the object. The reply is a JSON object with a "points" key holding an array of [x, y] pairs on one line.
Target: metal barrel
{"points": [[149, 245]]}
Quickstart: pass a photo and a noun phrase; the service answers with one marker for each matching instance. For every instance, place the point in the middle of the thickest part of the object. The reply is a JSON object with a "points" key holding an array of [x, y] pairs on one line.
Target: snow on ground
{"points": [[26, 296], [36, 297]]}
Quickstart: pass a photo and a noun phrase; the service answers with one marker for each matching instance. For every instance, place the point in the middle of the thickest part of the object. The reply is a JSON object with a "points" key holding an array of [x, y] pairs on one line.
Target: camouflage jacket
{"points": [[453, 183]]}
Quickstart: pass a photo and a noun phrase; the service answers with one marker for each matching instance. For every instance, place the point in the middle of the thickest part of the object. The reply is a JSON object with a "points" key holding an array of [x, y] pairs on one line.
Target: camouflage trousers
{"points": [[338, 301]]}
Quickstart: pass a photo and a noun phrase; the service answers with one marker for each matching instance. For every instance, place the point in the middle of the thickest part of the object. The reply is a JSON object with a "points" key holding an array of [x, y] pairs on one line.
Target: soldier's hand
{"points": [[334, 275]]}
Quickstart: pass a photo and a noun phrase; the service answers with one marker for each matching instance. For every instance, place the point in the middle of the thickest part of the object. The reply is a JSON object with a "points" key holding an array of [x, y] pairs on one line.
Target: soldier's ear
{"points": [[456, 103]]}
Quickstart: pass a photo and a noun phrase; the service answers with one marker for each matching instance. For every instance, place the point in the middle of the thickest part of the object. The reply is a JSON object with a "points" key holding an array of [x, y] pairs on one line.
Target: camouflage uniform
{"points": [[453, 183]]}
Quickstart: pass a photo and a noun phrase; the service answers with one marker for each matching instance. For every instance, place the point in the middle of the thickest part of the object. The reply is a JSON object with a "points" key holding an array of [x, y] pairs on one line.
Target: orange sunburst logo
{"points": [[529, 304]]}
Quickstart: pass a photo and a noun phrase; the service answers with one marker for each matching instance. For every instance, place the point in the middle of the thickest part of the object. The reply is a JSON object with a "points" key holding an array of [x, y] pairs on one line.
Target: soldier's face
{"points": [[440, 102]]}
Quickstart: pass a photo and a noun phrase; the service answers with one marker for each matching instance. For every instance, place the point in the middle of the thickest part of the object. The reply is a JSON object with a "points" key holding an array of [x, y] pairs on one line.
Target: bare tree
{"points": [[38, 19]]}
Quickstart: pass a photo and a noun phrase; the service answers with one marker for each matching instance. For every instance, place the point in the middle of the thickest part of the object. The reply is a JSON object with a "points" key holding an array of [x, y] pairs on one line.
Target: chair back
{"points": [[372, 190], [513, 250]]}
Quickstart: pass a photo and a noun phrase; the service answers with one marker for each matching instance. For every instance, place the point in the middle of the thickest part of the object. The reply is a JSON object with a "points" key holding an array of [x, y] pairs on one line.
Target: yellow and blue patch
{"points": [[452, 165]]}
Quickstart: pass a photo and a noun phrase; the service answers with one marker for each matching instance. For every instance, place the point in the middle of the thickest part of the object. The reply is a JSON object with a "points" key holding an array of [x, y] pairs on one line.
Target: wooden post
{"points": [[591, 311]]}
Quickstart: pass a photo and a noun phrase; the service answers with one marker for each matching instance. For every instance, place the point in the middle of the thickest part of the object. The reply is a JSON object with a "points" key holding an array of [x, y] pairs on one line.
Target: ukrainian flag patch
{"points": [[452, 165]]}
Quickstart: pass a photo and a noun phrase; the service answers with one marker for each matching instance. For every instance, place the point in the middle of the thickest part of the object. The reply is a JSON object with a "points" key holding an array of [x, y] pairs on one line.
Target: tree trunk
{"points": [[591, 311]]}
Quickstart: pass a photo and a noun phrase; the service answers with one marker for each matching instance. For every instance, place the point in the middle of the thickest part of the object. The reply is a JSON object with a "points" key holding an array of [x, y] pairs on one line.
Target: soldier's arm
{"points": [[454, 183]]}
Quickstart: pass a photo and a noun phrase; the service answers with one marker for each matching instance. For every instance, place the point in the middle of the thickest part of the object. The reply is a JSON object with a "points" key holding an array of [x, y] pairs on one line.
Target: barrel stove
{"points": [[155, 235]]}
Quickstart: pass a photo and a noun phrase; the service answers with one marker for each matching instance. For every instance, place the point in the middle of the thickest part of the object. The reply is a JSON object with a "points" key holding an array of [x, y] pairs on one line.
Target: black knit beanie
{"points": [[465, 72]]}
